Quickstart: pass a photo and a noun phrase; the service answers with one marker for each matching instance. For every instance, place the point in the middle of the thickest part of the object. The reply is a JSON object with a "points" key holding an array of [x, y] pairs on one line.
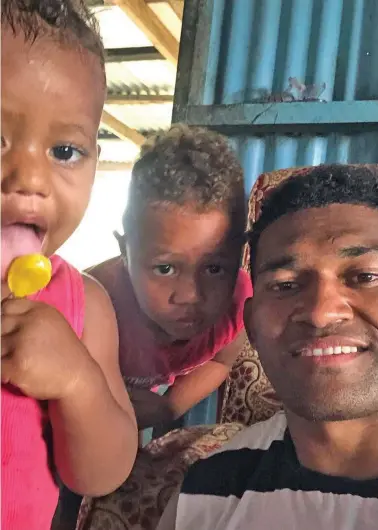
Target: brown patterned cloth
{"points": [[159, 469], [248, 396]]}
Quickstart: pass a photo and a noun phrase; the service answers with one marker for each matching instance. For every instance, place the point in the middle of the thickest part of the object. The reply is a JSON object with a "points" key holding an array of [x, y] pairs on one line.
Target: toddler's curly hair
{"points": [[187, 165]]}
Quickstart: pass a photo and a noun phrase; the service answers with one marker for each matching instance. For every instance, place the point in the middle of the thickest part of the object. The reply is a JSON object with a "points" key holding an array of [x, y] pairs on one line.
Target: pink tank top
{"points": [[144, 363], [29, 494]]}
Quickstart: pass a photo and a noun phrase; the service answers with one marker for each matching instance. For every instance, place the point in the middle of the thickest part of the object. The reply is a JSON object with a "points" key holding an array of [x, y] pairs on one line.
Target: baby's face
{"points": [[183, 266], [51, 103]]}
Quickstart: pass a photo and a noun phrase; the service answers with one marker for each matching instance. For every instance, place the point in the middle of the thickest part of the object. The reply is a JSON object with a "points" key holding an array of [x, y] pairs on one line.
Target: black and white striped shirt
{"points": [[257, 483]]}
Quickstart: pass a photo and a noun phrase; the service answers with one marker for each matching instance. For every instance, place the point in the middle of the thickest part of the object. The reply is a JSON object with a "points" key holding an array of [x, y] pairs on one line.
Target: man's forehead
{"points": [[340, 228]]}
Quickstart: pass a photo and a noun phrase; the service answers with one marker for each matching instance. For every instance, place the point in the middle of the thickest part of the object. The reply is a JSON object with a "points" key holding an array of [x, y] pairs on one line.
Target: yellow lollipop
{"points": [[28, 274]]}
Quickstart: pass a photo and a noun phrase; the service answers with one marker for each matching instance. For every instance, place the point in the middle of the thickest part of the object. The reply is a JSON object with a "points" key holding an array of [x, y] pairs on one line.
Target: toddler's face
{"points": [[183, 266], [51, 103]]}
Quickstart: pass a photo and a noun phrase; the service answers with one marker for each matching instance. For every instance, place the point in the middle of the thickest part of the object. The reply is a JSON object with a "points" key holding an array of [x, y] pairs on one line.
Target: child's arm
{"points": [[152, 409], [190, 389], [95, 435]]}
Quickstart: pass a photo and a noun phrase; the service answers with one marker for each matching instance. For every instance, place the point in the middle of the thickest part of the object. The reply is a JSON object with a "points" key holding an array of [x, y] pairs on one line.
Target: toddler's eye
{"points": [[214, 270], [164, 270], [67, 153]]}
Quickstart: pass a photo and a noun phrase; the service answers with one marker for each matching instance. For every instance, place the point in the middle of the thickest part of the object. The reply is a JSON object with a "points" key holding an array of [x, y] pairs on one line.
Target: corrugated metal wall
{"points": [[236, 52]]}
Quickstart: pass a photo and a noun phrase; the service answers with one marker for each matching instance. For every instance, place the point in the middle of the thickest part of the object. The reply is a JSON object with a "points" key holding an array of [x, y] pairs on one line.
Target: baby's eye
{"points": [[67, 153], [214, 270], [164, 270]]}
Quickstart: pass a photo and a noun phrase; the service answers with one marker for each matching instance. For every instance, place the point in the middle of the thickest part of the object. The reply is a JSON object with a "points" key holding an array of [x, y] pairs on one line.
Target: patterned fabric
{"points": [[248, 396], [159, 469]]}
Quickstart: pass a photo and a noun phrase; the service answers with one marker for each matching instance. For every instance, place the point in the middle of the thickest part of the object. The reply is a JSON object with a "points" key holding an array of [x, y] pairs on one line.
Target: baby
{"points": [[59, 351]]}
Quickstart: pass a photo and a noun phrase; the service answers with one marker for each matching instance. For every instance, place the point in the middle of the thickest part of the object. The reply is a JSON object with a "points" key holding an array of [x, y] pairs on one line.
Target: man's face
{"points": [[314, 315]]}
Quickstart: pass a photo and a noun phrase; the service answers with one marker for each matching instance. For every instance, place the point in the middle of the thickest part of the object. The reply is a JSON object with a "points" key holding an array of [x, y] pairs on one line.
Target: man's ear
{"points": [[121, 240], [248, 321]]}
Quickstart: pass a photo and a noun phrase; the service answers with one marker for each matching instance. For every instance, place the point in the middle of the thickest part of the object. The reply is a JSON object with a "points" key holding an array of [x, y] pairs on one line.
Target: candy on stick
{"points": [[29, 274]]}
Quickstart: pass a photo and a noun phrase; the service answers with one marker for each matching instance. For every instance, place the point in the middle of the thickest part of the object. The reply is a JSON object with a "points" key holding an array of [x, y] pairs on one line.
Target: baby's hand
{"points": [[40, 353]]}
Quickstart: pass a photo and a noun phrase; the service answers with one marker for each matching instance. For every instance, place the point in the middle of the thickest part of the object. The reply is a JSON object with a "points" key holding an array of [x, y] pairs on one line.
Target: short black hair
{"points": [[321, 186], [187, 164], [70, 21]]}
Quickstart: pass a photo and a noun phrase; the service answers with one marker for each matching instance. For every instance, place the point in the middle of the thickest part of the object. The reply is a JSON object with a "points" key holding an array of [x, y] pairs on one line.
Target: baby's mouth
{"points": [[19, 239]]}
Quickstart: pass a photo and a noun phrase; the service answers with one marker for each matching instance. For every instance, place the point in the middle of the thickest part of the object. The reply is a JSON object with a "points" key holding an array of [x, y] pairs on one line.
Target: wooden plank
{"points": [[139, 12], [123, 55], [114, 166], [257, 115], [120, 129], [138, 99], [177, 6]]}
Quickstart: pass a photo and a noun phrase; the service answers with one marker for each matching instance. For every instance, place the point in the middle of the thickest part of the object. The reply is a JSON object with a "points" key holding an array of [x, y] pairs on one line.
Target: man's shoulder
{"points": [[227, 466]]}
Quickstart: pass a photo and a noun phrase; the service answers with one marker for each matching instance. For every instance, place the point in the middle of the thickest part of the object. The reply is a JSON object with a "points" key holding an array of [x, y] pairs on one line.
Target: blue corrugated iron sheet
{"points": [[271, 152], [256, 45]]}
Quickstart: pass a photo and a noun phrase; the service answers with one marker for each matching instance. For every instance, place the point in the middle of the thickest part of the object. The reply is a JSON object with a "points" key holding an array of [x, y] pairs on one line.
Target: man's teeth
{"points": [[329, 351]]}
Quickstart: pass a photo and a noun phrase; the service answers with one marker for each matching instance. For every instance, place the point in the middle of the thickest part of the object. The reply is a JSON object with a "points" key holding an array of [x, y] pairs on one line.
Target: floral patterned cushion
{"points": [[248, 396], [159, 469]]}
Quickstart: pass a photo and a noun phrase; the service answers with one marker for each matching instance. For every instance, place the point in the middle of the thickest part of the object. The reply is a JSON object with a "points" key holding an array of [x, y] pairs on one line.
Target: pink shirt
{"points": [[144, 363], [29, 494]]}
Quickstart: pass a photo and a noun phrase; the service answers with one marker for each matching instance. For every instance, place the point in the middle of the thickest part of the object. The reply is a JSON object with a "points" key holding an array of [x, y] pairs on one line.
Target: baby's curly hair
{"points": [[187, 165], [70, 21]]}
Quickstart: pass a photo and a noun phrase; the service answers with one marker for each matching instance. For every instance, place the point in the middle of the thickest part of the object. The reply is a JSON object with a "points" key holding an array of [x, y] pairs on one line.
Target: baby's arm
{"points": [[95, 434], [190, 389]]}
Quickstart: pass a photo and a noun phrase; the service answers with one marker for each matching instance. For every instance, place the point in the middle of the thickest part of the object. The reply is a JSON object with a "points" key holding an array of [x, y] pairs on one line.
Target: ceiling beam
{"points": [[176, 5], [143, 16], [120, 129], [114, 166], [138, 99], [123, 55]]}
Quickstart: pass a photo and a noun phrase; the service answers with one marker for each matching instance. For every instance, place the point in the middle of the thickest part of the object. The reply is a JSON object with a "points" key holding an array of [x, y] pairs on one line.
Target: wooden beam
{"points": [[138, 99], [139, 12], [120, 129], [178, 7], [123, 55], [114, 166]]}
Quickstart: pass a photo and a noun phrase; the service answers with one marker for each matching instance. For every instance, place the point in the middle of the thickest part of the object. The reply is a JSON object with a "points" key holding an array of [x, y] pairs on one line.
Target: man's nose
{"points": [[26, 171], [323, 304]]}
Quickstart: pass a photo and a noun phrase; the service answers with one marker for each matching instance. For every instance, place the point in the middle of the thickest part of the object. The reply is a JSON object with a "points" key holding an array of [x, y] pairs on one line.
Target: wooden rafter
{"points": [[163, 40], [120, 129], [123, 55], [138, 99], [176, 5]]}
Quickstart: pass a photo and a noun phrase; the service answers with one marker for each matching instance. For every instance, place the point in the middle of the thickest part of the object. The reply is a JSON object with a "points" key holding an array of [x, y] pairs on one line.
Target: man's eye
{"points": [[164, 270], [214, 270], [364, 278], [67, 153]]}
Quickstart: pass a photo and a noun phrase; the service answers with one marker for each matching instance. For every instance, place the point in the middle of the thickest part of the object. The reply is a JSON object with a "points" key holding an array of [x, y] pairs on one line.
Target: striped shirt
{"points": [[257, 483]]}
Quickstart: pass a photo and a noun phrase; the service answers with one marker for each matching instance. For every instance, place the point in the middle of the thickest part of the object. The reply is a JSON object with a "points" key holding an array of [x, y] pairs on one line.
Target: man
{"points": [[314, 322]]}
